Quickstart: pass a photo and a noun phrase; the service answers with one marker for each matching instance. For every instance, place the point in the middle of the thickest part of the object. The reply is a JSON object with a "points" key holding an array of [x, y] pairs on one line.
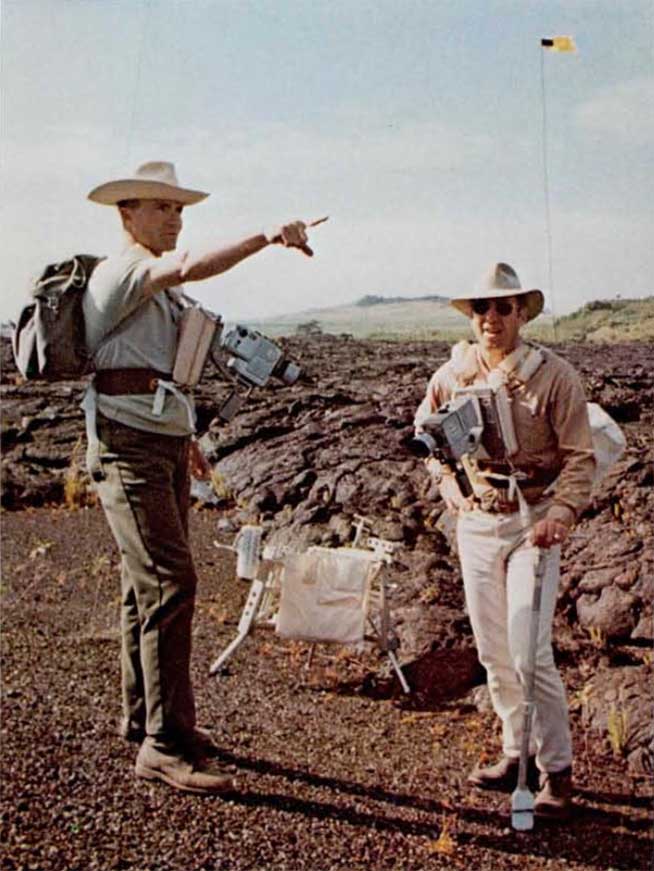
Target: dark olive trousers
{"points": [[143, 482]]}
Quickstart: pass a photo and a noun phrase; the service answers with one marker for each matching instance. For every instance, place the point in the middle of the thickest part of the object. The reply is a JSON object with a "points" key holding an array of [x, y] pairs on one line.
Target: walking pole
{"points": [[522, 800]]}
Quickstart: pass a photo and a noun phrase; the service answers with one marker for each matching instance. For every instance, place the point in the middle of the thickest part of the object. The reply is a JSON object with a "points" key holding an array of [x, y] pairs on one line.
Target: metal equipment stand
{"points": [[262, 599]]}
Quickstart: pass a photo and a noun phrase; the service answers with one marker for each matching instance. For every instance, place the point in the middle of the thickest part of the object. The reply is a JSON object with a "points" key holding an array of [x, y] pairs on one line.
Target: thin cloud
{"points": [[623, 112]]}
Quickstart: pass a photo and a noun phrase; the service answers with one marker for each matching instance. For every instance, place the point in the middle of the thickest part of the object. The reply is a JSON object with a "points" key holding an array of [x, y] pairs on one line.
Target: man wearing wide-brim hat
{"points": [[140, 425], [526, 500]]}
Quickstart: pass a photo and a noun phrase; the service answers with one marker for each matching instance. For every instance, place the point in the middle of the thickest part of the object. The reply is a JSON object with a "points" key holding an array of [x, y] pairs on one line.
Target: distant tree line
{"points": [[373, 299], [309, 328]]}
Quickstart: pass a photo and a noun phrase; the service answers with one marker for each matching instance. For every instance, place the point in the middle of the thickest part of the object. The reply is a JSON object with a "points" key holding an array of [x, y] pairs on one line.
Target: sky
{"points": [[436, 134]]}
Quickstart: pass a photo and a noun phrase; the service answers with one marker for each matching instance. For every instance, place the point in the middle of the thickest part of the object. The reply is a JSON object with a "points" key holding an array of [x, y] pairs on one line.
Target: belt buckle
{"points": [[153, 384], [503, 505]]}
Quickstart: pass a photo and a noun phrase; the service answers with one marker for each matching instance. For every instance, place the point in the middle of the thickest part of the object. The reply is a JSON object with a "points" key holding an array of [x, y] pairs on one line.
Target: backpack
{"points": [[49, 338], [609, 442]]}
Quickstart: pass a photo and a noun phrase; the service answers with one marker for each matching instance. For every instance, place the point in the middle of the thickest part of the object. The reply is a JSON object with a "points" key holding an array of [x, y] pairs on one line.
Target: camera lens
{"points": [[422, 446]]}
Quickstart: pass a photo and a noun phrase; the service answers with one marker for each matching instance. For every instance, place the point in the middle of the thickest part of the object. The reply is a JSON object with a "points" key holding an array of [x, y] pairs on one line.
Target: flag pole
{"points": [[546, 190], [557, 44]]}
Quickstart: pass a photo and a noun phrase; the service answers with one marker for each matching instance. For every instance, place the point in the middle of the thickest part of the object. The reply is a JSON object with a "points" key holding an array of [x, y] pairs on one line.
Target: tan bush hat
{"points": [[500, 280], [156, 180]]}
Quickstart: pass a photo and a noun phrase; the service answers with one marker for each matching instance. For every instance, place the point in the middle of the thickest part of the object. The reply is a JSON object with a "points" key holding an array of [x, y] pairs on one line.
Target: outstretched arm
{"points": [[175, 268]]}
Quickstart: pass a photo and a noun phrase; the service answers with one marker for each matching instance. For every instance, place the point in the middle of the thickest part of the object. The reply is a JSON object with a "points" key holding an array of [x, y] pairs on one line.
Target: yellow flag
{"points": [[559, 43]]}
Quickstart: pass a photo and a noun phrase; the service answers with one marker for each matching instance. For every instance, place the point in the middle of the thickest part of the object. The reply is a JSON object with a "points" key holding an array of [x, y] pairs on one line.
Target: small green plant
{"points": [[74, 480], [40, 549], [617, 723], [428, 595], [581, 699], [445, 844], [597, 637], [220, 486], [100, 563]]}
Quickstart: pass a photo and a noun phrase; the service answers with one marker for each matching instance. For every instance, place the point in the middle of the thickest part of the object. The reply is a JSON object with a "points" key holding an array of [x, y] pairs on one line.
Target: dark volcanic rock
{"points": [[613, 613], [308, 460], [620, 709]]}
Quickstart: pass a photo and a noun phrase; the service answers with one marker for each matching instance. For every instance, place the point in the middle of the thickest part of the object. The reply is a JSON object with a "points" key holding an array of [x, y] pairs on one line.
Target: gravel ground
{"points": [[329, 778]]}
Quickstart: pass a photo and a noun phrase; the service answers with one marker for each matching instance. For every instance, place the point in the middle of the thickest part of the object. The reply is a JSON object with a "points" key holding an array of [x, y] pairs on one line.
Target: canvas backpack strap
{"points": [[522, 364], [463, 363], [182, 298]]}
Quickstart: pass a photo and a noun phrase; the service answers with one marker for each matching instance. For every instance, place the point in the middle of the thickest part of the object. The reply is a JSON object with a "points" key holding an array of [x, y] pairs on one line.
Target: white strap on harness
{"points": [[519, 365], [522, 363], [90, 407], [514, 493], [164, 387], [90, 402]]}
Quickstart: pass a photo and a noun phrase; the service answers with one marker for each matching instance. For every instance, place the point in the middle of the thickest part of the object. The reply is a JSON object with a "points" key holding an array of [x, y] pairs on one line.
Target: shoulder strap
{"points": [[523, 368], [463, 362]]}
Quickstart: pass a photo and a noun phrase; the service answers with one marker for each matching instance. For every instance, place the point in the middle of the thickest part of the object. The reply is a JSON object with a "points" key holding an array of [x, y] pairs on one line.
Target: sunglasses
{"points": [[503, 307]]}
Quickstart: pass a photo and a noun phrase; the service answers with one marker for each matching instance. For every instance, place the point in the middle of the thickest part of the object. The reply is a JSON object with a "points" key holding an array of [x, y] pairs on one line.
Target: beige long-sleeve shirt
{"points": [[550, 418]]}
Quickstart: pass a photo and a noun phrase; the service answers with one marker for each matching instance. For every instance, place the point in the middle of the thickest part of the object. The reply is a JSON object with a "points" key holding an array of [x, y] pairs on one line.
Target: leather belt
{"points": [[120, 382], [503, 507], [535, 478], [499, 504]]}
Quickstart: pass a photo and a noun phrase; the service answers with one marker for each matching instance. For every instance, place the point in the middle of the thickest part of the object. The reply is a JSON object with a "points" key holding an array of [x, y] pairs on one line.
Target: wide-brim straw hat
{"points": [[501, 280], [156, 180]]}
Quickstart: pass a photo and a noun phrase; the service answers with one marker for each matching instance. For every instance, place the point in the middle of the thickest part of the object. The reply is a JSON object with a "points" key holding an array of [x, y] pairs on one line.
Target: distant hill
{"points": [[433, 317], [373, 316], [371, 299]]}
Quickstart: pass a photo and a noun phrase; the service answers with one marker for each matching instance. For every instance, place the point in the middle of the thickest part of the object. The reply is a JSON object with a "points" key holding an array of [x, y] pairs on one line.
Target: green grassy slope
{"points": [[620, 320]]}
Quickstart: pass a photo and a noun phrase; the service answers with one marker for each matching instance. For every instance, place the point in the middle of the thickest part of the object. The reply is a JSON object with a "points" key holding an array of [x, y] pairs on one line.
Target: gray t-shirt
{"points": [[127, 329]]}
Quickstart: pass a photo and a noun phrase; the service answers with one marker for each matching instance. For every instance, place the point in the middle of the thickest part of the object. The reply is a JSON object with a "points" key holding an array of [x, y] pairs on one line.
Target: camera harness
{"points": [[510, 375], [179, 301]]}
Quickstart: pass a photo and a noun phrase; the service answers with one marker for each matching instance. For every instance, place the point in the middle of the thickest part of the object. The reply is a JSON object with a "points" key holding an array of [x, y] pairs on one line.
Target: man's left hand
{"points": [[199, 466], [548, 533], [554, 528]]}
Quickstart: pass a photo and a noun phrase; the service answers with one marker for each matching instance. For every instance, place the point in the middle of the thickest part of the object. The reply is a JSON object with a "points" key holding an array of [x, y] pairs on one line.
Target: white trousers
{"points": [[499, 586]]}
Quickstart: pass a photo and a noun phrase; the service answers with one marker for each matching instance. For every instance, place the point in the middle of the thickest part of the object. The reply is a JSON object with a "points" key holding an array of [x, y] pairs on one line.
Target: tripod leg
{"points": [[398, 671], [312, 650], [245, 623]]}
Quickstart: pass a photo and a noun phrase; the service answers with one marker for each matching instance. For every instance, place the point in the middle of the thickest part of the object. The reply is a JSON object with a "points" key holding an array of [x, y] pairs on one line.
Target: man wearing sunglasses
{"points": [[500, 530]]}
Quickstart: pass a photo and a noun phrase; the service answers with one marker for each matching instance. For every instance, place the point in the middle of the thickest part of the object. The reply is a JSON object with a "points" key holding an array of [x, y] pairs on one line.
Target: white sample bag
{"points": [[324, 595]]}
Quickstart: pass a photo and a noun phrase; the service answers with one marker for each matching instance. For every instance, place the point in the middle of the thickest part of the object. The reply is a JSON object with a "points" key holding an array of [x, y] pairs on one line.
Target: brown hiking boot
{"points": [[503, 776], [554, 801], [199, 741], [188, 774]]}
